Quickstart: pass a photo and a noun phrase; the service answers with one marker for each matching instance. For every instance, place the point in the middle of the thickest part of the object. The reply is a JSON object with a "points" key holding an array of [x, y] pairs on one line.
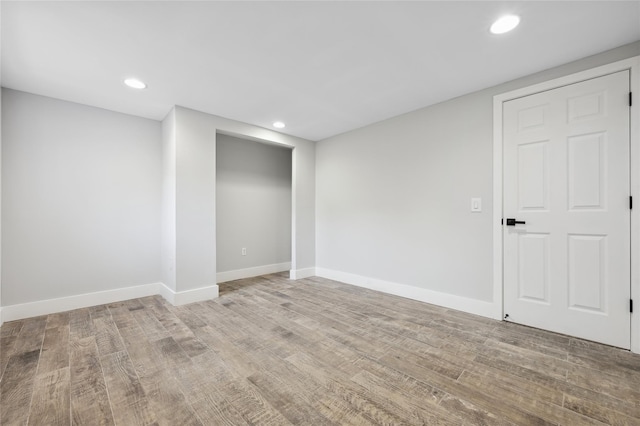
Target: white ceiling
{"points": [[321, 67]]}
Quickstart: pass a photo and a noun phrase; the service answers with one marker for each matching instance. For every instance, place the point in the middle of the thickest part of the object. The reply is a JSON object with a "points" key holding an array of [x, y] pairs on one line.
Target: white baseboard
{"points": [[62, 304], [188, 296], [472, 306], [166, 293], [298, 274], [256, 271], [46, 307]]}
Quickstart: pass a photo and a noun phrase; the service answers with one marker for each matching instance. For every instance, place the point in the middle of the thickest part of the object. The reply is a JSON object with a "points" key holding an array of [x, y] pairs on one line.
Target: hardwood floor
{"points": [[271, 351]]}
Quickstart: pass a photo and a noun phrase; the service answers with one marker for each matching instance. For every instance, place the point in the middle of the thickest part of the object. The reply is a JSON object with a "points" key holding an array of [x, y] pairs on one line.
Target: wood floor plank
{"points": [[121, 378], [281, 317], [122, 316], [604, 383], [31, 335], [485, 374], [188, 318], [145, 355], [621, 405], [136, 413], [55, 349], [273, 351], [251, 405], [287, 401], [339, 331], [172, 320], [11, 328], [621, 367], [51, 398], [99, 311], [107, 336], [161, 388], [548, 411], [60, 319], [167, 400], [81, 325], [7, 344], [546, 365], [213, 407], [512, 412], [16, 387], [87, 416], [419, 412], [471, 413], [391, 331], [148, 321], [594, 410], [171, 352], [429, 395], [514, 338], [191, 380], [89, 399], [234, 357], [368, 404], [333, 353], [340, 412]]}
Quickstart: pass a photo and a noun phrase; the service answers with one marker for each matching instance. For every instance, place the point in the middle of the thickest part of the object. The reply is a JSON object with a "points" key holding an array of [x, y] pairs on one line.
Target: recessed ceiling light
{"points": [[135, 83], [505, 24], [278, 125]]}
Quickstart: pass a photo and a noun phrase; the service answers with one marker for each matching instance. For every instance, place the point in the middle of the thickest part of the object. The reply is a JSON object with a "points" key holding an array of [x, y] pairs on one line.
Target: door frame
{"points": [[631, 64]]}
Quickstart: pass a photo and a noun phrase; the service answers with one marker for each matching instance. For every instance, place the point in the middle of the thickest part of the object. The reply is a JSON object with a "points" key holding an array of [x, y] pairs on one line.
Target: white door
{"points": [[566, 177]]}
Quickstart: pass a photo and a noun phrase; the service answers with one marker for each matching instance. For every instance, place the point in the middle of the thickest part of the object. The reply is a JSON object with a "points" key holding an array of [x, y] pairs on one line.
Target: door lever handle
{"points": [[513, 222]]}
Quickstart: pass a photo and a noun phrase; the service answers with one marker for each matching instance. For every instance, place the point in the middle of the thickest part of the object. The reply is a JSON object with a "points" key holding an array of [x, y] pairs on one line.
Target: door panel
{"points": [[587, 275], [586, 177], [533, 179], [533, 267], [566, 175]]}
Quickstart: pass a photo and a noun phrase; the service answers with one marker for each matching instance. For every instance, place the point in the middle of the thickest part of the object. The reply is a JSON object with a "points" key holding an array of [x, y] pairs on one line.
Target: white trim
{"points": [[298, 274], [256, 271], [62, 304], [632, 64], [294, 210], [473, 306], [166, 293], [188, 296], [497, 208], [635, 192]]}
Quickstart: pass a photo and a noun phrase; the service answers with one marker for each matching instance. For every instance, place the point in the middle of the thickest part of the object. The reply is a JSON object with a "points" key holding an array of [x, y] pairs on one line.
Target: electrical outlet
{"points": [[244, 251]]}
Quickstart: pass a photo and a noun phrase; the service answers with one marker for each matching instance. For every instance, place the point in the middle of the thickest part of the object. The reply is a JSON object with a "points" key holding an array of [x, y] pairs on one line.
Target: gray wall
{"points": [[393, 198], [303, 250], [253, 203], [0, 204], [81, 197], [195, 200], [194, 134]]}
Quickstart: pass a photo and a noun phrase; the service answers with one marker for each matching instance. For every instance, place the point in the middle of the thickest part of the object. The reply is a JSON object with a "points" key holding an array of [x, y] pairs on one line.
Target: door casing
{"points": [[631, 64]]}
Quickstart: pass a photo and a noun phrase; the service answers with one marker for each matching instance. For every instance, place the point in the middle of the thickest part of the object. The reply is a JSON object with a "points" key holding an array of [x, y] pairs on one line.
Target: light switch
{"points": [[476, 205]]}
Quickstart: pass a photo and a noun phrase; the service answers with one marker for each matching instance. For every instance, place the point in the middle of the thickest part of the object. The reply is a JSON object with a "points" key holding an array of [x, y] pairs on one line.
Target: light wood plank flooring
{"points": [[271, 351]]}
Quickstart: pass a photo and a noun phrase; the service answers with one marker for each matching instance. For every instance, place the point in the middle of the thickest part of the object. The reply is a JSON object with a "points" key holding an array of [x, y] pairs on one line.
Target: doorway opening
{"points": [[253, 208]]}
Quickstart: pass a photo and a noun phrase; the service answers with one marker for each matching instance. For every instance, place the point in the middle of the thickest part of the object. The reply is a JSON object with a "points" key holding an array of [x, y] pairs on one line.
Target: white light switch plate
{"points": [[476, 205]]}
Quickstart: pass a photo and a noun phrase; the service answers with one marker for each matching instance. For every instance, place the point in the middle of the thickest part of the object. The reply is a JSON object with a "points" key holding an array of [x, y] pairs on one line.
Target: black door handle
{"points": [[513, 222]]}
